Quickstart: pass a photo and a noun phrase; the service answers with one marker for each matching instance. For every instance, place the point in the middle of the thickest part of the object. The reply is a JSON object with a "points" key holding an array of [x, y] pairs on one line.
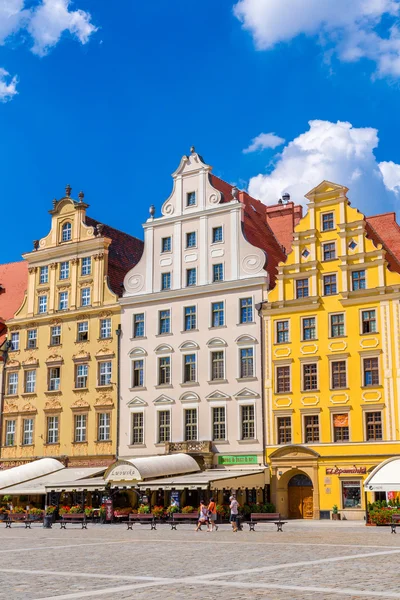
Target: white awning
{"points": [[385, 477], [214, 479], [47, 483], [29, 471], [133, 470], [86, 484]]}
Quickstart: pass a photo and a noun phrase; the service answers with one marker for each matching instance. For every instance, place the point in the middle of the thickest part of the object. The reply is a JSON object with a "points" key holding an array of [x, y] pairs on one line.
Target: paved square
{"points": [[309, 560]]}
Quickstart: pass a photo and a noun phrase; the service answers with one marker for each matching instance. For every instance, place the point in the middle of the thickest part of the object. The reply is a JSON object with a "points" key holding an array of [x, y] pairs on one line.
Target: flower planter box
{"points": [[335, 517]]}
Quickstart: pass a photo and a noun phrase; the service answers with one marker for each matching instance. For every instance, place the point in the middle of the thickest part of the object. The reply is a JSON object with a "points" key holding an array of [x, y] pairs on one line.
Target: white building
{"points": [[191, 351]]}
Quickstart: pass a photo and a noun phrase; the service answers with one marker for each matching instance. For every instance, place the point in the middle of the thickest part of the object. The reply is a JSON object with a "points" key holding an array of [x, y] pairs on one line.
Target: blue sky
{"points": [[112, 113]]}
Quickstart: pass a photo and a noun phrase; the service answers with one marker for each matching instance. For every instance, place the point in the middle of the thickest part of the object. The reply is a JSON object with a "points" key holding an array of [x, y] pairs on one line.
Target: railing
{"points": [[191, 447]]}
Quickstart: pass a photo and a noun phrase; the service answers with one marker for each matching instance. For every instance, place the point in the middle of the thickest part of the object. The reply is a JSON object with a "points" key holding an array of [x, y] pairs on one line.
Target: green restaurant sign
{"points": [[238, 459]]}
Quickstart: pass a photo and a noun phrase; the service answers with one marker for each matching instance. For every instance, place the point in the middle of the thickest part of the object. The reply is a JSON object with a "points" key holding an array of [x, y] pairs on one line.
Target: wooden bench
{"points": [[178, 518], [395, 523], [19, 518], [274, 518], [143, 519], [73, 518]]}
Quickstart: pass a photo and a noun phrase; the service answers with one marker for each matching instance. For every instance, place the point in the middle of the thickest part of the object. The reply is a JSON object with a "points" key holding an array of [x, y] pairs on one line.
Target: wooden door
{"points": [[300, 497], [295, 503]]}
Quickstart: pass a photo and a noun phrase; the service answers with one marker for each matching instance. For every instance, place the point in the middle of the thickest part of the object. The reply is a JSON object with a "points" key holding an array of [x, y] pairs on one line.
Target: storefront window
{"points": [[351, 494]]}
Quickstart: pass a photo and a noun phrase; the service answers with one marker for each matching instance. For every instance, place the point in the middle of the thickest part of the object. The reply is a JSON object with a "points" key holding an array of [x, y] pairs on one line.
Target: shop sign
{"points": [[175, 495], [109, 509], [347, 471], [239, 459], [123, 473]]}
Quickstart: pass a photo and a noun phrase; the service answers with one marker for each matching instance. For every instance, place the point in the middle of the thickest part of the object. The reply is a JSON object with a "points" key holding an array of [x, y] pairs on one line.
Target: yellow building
{"points": [[332, 371], [61, 377]]}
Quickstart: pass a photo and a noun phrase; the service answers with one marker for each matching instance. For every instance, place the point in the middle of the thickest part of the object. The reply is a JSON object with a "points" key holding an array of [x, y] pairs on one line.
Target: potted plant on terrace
{"points": [[335, 513], [36, 514], [64, 510], [144, 509], [76, 509], [18, 509], [188, 509], [158, 511], [172, 509], [89, 512]]}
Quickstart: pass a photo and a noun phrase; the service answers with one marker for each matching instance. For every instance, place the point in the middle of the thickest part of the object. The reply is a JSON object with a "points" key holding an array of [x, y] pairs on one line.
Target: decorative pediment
{"points": [[216, 343], [81, 356], [105, 352], [245, 340], [246, 393], [54, 358], [30, 362], [136, 401], [29, 408], [52, 404], [137, 352], [104, 400], [327, 187], [13, 364], [296, 452], [217, 395], [164, 349], [190, 397], [163, 399], [82, 317], [189, 345], [80, 403], [10, 407]]}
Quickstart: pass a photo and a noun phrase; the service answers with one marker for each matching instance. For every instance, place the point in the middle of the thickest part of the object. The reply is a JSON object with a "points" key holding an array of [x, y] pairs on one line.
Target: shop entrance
{"points": [[300, 497]]}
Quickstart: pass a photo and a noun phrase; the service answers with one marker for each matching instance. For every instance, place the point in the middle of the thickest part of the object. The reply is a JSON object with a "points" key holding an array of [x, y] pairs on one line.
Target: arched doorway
{"points": [[300, 497]]}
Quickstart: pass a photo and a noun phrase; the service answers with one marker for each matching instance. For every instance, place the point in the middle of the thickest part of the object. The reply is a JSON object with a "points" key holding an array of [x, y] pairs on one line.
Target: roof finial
{"points": [[68, 190], [192, 149], [54, 202], [81, 196], [235, 193], [152, 211]]}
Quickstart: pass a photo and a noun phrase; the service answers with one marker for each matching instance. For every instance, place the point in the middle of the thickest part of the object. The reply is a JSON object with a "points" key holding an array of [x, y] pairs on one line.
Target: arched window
{"points": [[66, 232]]}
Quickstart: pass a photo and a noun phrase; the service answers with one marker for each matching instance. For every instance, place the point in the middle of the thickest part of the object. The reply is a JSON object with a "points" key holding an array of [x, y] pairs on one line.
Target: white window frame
{"points": [[325, 243], [195, 354], [162, 409], [223, 405], [43, 275], [86, 296], [64, 227], [187, 198], [137, 411], [223, 272], [15, 375], [107, 375], [80, 431], [184, 330], [186, 240], [64, 270], [42, 309], [28, 431], [246, 347], [52, 327], [211, 314], [240, 404], [361, 310], [335, 314], [53, 383], [165, 289], [77, 367], [185, 408], [29, 338], [216, 349], [10, 429], [160, 310], [55, 431], [162, 240], [158, 359], [356, 269], [139, 337], [108, 328], [212, 234], [302, 328], [133, 360], [32, 383], [187, 284], [105, 426], [253, 308], [14, 341], [84, 268], [81, 324], [327, 212], [64, 301], [335, 273]]}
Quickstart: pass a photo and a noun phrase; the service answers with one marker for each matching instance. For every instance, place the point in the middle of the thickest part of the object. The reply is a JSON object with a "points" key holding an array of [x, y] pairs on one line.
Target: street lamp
{"points": [[4, 350]]}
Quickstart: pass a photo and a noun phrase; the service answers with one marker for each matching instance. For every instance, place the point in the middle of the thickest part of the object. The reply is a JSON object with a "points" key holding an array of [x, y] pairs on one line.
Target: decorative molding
{"points": [[81, 356], [309, 349], [313, 402], [245, 340], [339, 398], [80, 403], [283, 402], [337, 346], [190, 258], [163, 349], [10, 408], [137, 352], [30, 362], [371, 342], [29, 408], [189, 345], [136, 401], [104, 400], [163, 399], [52, 404], [189, 397], [216, 343], [54, 358], [282, 352], [371, 396], [217, 395], [246, 393], [252, 263]]}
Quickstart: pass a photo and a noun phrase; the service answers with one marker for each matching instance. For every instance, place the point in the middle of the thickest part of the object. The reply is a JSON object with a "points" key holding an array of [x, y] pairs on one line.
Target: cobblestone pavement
{"points": [[308, 561]]}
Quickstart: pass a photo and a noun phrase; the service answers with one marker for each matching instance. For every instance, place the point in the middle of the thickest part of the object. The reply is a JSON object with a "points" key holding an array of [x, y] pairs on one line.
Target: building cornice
{"points": [[224, 207]]}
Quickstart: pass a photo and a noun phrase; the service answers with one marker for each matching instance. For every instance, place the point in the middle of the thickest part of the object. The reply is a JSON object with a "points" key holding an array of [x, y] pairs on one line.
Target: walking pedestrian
{"points": [[234, 506], [203, 516], [212, 515]]}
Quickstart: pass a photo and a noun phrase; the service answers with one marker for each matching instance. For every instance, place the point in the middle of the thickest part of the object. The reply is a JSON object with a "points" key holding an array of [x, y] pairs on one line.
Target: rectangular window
{"points": [[137, 428], [189, 374], [219, 423], [341, 427], [12, 384], [191, 199], [217, 314], [247, 422], [81, 376], [337, 325], [246, 362], [164, 370], [330, 288], [164, 426], [64, 270], [217, 235], [368, 318], [138, 373], [310, 377], [246, 310], [166, 281], [358, 280], [138, 325], [42, 304], [52, 430], [166, 244], [63, 301], [85, 297], [105, 328], [190, 277], [80, 428], [53, 379], [329, 251], [86, 265], [218, 272], [32, 338], [351, 494], [284, 430], [27, 432], [282, 380], [190, 318], [14, 341], [66, 235], [103, 427], [339, 374], [30, 382], [10, 432], [302, 288], [105, 369], [55, 335], [190, 424], [311, 427], [83, 331], [309, 329], [371, 371], [217, 365], [373, 426], [328, 221], [191, 239], [282, 332], [44, 275], [165, 321]]}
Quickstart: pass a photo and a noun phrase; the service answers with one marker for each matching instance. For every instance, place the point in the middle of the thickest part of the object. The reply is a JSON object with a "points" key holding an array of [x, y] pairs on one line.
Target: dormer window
{"points": [[66, 234], [191, 199]]}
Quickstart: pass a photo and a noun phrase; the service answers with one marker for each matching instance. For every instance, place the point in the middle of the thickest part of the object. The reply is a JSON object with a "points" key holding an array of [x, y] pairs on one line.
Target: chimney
{"points": [[283, 218]]}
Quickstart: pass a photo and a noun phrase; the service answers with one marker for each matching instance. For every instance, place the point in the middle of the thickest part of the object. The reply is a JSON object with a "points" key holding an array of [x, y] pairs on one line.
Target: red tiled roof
{"points": [[283, 218], [13, 284], [383, 229], [124, 253]]}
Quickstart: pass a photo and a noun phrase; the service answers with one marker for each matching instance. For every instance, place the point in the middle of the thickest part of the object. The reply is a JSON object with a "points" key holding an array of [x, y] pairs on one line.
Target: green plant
{"points": [[18, 509], [3, 510], [122, 511], [172, 509], [88, 511], [188, 509], [50, 509], [75, 509], [157, 511], [64, 510], [335, 509], [6, 498], [36, 511], [144, 509], [102, 512], [382, 516]]}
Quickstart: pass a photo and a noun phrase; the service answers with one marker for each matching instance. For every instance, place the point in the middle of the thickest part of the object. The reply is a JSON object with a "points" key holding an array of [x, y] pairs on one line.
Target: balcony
{"points": [[192, 447]]}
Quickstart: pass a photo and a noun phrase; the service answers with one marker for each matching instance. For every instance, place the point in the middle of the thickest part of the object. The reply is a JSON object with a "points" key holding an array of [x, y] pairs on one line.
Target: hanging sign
{"points": [[347, 470]]}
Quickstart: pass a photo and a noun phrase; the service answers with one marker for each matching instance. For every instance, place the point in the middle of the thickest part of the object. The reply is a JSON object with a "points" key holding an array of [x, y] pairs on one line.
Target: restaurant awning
{"points": [[85, 484], [385, 477], [133, 470], [215, 479], [47, 483], [28, 472]]}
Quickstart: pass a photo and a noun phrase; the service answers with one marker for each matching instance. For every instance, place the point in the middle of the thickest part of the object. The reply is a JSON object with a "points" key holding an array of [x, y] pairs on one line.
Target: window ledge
{"points": [[371, 333], [29, 394], [378, 386], [185, 331], [219, 442], [338, 389], [283, 343], [217, 381], [247, 379], [160, 335], [80, 444], [52, 392], [248, 323], [336, 337], [141, 445], [218, 327], [161, 444], [10, 395], [138, 388], [252, 441], [54, 346], [80, 389], [51, 444], [27, 445], [109, 386], [29, 349], [108, 339], [81, 341], [163, 385], [189, 384], [139, 337], [283, 393], [9, 446], [98, 442]]}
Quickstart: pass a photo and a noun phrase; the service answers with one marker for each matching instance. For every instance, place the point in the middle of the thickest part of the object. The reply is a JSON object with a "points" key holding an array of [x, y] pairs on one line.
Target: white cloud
{"points": [[263, 141], [349, 28], [337, 152], [8, 86]]}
